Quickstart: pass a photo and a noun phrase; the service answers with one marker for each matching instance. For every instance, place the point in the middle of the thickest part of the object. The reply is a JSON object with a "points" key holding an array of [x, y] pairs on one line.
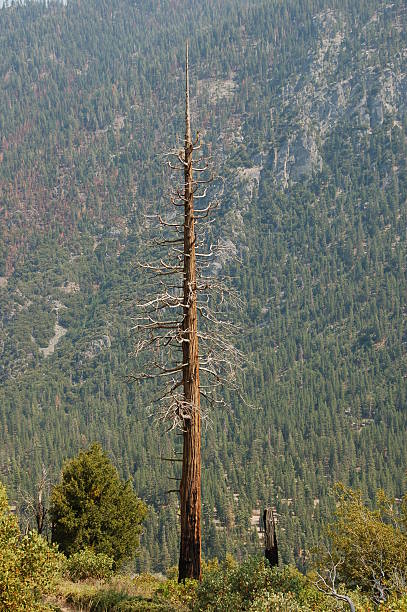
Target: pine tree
{"points": [[92, 508]]}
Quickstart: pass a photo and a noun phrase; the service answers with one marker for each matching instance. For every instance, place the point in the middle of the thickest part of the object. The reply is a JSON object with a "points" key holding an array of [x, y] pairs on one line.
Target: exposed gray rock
{"points": [[225, 251], [96, 346], [298, 156], [59, 332], [327, 92]]}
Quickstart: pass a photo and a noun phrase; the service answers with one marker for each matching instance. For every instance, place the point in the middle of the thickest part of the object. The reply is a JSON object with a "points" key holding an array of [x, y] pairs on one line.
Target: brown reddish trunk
{"points": [[190, 488]]}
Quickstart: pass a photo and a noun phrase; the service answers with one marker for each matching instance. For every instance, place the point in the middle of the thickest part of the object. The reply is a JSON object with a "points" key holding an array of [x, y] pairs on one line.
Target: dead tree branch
{"points": [[326, 583]]}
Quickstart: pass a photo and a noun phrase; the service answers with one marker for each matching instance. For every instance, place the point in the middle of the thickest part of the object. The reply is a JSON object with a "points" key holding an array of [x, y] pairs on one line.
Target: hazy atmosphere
{"points": [[203, 331]]}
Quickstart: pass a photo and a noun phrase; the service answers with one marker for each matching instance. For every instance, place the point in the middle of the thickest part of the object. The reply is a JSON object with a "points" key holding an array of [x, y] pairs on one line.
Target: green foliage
{"points": [[395, 604], [183, 593], [253, 585], [28, 565], [369, 545], [88, 564], [278, 602], [92, 508]]}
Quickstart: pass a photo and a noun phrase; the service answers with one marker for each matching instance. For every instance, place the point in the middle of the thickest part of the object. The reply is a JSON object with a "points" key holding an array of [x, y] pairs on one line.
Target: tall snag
{"points": [[169, 323], [190, 489], [270, 537]]}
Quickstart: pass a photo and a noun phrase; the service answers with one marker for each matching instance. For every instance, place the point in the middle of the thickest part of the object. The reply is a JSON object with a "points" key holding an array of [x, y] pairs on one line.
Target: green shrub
{"points": [[256, 587], [28, 565], [278, 602], [367, 544], [89, 564], [183, 594], [228, 586], [394, 604]]}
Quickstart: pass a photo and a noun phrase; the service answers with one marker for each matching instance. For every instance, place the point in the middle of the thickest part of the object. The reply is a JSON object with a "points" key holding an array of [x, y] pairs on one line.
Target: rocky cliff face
{"points": [[344, 80]]}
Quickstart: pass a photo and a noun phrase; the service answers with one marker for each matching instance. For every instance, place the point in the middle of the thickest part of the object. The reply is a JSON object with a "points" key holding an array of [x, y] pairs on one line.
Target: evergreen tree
{"points": [[92, 508]]}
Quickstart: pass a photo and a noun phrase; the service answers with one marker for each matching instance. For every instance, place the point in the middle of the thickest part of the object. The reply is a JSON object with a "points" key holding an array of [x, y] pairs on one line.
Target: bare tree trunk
{"points": [[40, 510], [34, 505], [190, 488], [167, 329]]}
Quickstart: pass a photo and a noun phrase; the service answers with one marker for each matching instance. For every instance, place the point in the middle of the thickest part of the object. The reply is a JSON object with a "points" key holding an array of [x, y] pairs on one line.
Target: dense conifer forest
{"points": [[302, 104]]}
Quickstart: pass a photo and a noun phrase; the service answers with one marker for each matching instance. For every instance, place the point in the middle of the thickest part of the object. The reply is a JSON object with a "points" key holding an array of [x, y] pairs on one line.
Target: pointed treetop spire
{"points": [[187, 112]]}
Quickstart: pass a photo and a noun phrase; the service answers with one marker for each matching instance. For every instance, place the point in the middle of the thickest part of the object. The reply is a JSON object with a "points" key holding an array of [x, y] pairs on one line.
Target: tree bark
{"points": [[190, 487], [270, 537]]}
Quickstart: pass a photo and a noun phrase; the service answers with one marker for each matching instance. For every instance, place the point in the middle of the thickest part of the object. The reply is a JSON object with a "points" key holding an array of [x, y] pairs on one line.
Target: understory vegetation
{"points": [[29, 567], [226, 587], [362, 563]]}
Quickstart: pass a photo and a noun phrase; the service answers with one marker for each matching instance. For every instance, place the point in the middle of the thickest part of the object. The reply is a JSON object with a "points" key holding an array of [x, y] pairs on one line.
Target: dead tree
{"points": [[270, 537], [326, 584], [190, 488], [34, 506], [181, 351]]}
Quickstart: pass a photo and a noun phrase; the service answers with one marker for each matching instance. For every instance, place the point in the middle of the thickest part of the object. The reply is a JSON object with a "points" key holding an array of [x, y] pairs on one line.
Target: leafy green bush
{"points": [[368, 546], [182, 594], [228, 586], [89, 564], [278, 602], [28, 565], [255, 586], [394, 604]]}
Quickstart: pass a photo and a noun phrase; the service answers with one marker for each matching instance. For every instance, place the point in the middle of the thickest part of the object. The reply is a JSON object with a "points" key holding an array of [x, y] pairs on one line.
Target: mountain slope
{"points": [[303, 106]]}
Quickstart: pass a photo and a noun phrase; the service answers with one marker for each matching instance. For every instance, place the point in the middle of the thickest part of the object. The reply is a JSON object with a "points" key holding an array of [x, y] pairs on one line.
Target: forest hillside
{"points": [[303, 106]]}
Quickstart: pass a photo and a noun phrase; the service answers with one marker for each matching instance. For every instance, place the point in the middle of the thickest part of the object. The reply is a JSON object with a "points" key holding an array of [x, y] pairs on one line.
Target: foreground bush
{"points": [[368, 546], [251, 586], [28, 565], [254, 586], [88, 564]]}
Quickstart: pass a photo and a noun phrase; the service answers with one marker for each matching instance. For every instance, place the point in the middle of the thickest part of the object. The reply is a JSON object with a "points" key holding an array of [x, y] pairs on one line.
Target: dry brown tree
{"points": [[183, 326]]}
